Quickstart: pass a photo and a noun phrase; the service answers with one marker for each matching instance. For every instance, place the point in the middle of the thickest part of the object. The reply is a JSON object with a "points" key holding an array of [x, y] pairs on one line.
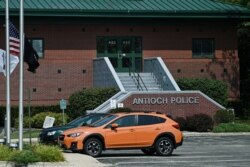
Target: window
{"points": [[38, 45], [103, 121], [112, 46], [126, 46], [203, 48], [126, 62], [126, 121], [149, 120]]}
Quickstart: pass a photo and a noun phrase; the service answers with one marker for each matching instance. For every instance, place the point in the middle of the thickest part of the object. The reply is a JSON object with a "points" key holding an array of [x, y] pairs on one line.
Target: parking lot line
{"points": [[179, 161], [171, 157]]}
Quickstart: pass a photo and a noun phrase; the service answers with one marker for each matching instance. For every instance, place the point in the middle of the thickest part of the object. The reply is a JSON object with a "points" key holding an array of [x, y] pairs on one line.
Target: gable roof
{"points": [[129, 8]]}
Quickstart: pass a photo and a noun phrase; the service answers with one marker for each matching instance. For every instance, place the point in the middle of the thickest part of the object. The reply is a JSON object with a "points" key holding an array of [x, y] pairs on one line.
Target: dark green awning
{"points": [[129, 8]]}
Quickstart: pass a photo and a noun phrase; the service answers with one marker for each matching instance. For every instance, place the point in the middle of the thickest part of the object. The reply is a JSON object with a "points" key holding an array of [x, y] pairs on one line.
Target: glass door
{"points": [[125, 53]]}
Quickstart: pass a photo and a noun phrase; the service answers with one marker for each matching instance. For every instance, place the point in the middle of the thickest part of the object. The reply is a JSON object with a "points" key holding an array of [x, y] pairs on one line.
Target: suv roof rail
{"points": [[169, 116], [159, 112]]}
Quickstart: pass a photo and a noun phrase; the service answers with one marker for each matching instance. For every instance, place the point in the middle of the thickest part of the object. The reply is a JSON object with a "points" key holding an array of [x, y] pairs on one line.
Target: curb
{"points": [[55, 164], [205, 134], [71, 160], [41, 164]]}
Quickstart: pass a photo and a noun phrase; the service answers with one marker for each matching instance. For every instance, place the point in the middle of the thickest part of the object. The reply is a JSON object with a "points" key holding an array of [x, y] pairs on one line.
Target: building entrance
{"points": [[125, 53]]}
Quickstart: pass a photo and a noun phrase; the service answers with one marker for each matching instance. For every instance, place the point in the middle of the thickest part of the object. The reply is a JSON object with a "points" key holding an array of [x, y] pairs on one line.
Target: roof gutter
{"points": [[132, 14], [136, 16]]}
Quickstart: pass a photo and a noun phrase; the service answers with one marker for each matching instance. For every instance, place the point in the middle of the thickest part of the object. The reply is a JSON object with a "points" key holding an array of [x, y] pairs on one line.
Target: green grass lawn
{"points": [[237, 126], [26, 134]]}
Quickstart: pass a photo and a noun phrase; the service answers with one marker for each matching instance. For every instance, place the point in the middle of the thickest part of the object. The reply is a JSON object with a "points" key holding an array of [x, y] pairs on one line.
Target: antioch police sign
{"points": [[166, 100]]}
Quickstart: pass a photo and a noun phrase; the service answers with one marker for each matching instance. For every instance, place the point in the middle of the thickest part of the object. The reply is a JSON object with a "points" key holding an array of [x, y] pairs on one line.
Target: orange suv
{"points": [[151, 132]]}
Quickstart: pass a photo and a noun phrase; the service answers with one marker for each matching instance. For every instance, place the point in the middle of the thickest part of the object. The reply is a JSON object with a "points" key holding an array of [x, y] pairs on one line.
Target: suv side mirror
{"points": [[114, 126]]}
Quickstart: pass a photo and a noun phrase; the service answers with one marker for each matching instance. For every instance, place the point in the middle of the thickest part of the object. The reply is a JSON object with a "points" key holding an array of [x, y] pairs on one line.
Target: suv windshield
{"points": [[78, 121], [86, 120], [104, 121]]}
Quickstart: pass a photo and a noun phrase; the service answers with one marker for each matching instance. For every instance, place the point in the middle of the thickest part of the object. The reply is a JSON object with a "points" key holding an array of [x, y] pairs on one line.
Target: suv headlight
{"points": [[74, 134], [51, 133]]}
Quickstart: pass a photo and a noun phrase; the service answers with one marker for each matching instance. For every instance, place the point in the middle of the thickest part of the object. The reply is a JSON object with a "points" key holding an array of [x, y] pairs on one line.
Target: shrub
{"points": [[25, 157], [182, 122], [231, 127], [48, 153], [38, 119], [118, 110], [34, 110], [241, 108], [199, 123], [215, 89], [246, 112], [31, 154], [223, 116], [5, 153], [237, 106], [88, 99], [25, 122]]}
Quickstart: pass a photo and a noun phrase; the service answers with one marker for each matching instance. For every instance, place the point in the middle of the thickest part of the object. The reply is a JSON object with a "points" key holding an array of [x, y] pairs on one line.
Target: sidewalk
{"points": [[80, 160]]}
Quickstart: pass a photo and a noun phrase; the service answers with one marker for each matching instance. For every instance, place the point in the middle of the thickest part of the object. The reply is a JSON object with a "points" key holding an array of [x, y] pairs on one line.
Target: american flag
{"points": [[14, 40]]}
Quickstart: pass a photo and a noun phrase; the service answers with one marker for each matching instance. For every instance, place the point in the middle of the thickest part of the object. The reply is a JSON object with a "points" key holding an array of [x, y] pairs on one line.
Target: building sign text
{"points": [[166, 100]]}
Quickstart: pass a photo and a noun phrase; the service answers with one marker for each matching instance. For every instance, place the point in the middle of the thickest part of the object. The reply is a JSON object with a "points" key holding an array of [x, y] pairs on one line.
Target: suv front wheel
{"points": [[164, 146], [93, 147]]}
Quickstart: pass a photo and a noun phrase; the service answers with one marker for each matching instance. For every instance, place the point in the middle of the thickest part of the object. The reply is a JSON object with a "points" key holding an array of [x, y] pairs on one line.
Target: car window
{"points": [[86, 120], [149, 120], [94, 119], [103, 121], [125, 121], [79, 120]]}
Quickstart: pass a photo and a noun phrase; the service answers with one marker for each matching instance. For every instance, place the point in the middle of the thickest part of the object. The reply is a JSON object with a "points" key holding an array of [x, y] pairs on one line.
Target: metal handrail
{"points": [[138, 79], [142, 82]]}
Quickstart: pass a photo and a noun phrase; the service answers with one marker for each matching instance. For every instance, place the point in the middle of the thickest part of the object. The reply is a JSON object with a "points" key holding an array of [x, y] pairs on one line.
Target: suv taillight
{"points": [[176, 126]]}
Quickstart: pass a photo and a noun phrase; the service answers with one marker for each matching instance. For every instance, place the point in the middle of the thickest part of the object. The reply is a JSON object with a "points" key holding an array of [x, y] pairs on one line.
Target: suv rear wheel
{"points": [[148, 151], [93, 147], [164, 146]]}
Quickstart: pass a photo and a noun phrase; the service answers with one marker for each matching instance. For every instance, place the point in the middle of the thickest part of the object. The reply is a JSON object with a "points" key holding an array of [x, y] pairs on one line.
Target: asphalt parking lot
{"points": [[219, 151]]}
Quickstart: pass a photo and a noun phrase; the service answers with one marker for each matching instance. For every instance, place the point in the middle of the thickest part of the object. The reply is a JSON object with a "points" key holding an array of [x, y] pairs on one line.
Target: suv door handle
{"points": [[132, 130], [157, 128]]}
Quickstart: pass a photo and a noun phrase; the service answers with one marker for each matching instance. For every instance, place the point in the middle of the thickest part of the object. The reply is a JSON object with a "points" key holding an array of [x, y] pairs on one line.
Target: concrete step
{"points": [[129, 81], [126, 79], [151, 85]]}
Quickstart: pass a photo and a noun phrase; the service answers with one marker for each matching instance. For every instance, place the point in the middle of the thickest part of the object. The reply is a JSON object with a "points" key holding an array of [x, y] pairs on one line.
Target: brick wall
{"points": [[71, 48]]}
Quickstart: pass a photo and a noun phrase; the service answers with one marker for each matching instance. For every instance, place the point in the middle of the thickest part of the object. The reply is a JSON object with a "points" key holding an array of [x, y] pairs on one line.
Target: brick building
{"points": [[195, 39]]}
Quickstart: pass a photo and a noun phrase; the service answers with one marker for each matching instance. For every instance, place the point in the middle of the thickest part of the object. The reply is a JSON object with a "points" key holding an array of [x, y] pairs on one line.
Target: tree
{"points": [[244, 58], [241, 2]]}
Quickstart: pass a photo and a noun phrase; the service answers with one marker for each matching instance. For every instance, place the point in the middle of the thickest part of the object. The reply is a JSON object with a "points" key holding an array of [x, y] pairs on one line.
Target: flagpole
{"points": [[21, 33], [8, 126]]}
